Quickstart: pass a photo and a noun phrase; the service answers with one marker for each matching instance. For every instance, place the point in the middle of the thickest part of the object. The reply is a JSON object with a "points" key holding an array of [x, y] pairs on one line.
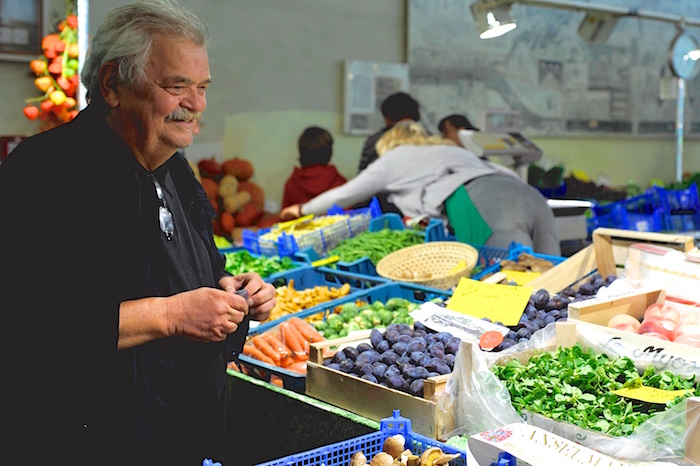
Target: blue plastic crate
{"points": [[513, 252], [616, 216], [340, 453], [383, 292], [297, 382], [680, 208], [291, 380], [274, 276], [434, 231], [310, 277], [321, 240], [489, 259]]}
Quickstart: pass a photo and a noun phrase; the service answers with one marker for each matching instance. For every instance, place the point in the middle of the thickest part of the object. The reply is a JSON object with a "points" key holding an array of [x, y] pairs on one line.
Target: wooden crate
{"points": [[601, 310], [606, 255], [372, 400], [567, 335]]}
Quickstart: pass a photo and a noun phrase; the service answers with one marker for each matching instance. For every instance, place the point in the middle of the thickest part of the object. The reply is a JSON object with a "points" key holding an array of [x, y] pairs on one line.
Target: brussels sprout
{"points": [[348, 311], [321, 325], [335, 322]]}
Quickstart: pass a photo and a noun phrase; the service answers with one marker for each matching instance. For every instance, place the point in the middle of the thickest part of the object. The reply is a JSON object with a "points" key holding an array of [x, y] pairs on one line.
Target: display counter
{"points": [[265, 422]]}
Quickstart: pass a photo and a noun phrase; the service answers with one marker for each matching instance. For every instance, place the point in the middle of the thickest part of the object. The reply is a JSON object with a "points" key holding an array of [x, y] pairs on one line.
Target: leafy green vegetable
{"points": [[375, 244], [242, 261], [573, 385]]}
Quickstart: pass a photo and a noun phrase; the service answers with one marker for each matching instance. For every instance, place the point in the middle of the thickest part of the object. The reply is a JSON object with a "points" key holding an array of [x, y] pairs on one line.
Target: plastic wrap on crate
{"points": [[310, 277], [321, 241], [513, 252], [275, 276], [340, 453]]}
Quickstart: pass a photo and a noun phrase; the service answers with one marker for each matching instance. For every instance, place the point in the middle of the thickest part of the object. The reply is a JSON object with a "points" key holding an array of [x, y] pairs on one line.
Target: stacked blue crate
{"points": [[340, 453]]}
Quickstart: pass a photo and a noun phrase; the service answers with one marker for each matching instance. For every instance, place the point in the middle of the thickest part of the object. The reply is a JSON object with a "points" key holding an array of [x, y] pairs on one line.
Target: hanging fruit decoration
{"points": [[56, 75]]}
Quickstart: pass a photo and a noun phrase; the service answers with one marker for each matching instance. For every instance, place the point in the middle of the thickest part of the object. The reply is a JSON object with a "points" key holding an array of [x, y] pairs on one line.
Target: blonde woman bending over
{"points": [[483, 203]]}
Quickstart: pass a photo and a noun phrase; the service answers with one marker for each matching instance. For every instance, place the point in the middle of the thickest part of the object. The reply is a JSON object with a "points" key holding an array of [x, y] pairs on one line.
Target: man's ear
{"points": [[109, 84]]}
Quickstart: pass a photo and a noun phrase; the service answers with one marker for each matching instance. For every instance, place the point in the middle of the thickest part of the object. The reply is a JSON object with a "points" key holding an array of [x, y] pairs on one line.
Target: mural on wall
{"points": [[559, 83]]}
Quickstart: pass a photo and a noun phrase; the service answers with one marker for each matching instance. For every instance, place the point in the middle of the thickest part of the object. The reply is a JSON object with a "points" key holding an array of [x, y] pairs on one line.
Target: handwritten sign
{"points": [[521, 278], [650, 394], [500, 303]]}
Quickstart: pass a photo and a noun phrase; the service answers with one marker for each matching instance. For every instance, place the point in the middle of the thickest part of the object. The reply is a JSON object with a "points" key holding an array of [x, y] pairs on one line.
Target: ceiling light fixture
{"points": [[493, 18]]}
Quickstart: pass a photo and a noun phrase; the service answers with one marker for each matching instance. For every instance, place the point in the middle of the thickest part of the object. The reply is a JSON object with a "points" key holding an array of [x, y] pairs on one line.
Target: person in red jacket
{"points": [[315, 175]]}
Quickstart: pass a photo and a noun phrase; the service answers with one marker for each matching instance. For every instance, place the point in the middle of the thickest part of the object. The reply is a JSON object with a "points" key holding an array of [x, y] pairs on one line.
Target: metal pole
{"points": [[680, 111]]}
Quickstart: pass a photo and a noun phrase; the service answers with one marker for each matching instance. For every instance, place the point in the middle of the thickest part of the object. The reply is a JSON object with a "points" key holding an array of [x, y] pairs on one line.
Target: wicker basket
{"points": [[429, 264]]}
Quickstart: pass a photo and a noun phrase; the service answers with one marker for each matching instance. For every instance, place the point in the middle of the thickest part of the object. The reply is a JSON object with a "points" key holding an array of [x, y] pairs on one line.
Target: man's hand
{"points": [[261, 295], [205, 314]]}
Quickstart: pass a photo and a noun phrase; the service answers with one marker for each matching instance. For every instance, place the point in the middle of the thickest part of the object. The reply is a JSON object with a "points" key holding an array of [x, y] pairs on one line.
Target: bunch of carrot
{"points": [[287, 346]]}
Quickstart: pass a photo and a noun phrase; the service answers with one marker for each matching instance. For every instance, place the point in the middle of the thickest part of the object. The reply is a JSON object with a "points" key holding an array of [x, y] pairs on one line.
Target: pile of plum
{"points": [[401, 357], [543, 309]]}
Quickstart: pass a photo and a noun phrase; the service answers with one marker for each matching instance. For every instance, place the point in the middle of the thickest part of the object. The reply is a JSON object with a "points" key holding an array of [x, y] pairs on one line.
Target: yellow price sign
{"points": [[521, 278], [650, 394], [500, 303]]}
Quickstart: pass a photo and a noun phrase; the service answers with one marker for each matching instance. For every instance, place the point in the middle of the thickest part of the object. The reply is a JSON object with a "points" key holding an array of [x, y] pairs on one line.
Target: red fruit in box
{"points": [[624, 320], [663, 327], [661, 311]]}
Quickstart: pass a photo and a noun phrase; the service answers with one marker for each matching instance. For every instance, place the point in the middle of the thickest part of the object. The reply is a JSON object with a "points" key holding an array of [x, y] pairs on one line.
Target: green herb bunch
{"points": [[573, 385], [242, 261]]}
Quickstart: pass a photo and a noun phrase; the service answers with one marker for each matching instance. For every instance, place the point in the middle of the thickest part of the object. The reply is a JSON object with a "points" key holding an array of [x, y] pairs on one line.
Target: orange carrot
{"points": [[253, 352], [275, 380], [307, 330], [286, 362], [292, 338], [277, 345], [299, 367], [265, 347]]}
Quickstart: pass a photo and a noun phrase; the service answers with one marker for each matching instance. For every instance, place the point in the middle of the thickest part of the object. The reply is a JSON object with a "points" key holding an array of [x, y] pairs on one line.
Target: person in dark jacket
{"points": [[315, 175], [397, 107], [118, 315]]}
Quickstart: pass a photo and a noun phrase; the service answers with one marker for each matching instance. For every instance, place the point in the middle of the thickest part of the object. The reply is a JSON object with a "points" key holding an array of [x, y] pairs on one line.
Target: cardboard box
{"points": [[538, 447], [680, 359], [372, 400], [606, 255]]}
